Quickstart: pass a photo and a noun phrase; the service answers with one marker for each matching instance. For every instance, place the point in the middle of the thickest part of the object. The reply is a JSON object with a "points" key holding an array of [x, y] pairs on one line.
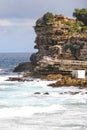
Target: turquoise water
{"points": [[22, 109]]}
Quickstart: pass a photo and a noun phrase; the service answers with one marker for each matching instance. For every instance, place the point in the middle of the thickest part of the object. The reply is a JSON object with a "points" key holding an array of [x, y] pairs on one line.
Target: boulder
{"points": [[68, 81], [37, 93], [46, 93], [18, 79], [23, 67]]}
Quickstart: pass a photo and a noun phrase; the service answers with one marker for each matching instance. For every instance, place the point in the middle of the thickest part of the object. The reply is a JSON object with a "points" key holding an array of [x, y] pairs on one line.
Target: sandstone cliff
{"points": [[62, 46]]}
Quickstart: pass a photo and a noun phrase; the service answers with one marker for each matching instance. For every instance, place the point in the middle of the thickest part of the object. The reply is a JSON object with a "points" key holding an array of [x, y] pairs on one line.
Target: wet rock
{"points": [[68, 81], [37, 93], [18, 79], [65, 92], [15, 79], [71, 93], [46, 93], [74, 93], [61, 93], [23, 67]]}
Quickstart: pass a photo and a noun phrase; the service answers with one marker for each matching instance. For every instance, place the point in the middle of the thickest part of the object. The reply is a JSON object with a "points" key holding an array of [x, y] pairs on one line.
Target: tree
{"points": [[48, 18], [81, 15]]}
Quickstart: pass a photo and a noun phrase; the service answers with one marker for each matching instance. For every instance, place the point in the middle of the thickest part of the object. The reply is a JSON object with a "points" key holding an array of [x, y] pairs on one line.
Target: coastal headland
{"points": [[62, 48]]}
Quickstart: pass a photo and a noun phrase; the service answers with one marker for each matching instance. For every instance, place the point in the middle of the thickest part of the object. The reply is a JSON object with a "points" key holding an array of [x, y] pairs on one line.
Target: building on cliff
{"points": [[78, 74]]}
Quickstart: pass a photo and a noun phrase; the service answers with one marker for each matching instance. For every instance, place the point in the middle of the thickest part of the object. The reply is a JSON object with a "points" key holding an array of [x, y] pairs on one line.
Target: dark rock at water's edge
{"points": [[46, 93], [36, 93], [19, 79], [23, 67]]}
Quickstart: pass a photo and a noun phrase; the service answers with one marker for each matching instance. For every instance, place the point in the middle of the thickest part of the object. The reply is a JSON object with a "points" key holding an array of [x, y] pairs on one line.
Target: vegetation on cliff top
{"points": [[81, 21], [48, 18], [81, 15]]}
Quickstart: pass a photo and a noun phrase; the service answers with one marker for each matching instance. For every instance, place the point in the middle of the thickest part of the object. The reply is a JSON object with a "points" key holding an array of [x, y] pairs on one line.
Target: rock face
{"points": [[61, 45]]}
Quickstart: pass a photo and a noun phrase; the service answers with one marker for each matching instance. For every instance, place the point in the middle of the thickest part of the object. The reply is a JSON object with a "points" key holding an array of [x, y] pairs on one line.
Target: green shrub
{"points": [[48, 18], [81, 15], [84, 29]]}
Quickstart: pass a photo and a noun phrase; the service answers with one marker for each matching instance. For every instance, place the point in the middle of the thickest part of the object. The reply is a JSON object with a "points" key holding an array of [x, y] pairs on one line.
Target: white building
{"points": [[78, 74]]}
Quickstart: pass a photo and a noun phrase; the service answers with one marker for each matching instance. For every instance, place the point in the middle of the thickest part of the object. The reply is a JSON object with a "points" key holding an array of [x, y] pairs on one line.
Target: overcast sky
{"points": [[17, 18]]}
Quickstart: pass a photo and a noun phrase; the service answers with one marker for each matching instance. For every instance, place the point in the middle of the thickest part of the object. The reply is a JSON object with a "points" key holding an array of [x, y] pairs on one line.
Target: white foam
{"points": [[2, 70], [28, 111], [3, 78]]}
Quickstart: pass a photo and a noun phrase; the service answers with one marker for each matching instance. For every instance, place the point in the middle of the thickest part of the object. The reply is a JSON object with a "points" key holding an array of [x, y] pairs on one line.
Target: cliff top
{"points": [[67, 25]]}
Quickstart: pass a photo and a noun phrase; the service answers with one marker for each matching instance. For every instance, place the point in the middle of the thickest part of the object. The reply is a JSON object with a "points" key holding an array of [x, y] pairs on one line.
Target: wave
{"points": [[2, 70], [5, 71], [28, 111]]}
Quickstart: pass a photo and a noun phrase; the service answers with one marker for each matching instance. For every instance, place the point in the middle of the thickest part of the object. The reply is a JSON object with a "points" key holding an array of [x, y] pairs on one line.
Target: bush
{"points": [[48, 18], [81, 15], [84, 29]]}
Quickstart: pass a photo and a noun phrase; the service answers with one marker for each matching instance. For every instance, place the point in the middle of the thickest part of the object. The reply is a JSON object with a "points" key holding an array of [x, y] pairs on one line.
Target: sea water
{"points": [[22, 108]]}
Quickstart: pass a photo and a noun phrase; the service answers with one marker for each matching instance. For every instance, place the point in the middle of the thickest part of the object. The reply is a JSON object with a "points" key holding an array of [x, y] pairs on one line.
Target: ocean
{"points": [[27, 106]]}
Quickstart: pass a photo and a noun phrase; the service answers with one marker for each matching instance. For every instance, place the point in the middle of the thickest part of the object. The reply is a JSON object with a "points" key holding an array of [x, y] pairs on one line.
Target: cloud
{"points": [[17, 35], [18, 16], [16, 22], [16, 27], [35, 8], [5, 23]]}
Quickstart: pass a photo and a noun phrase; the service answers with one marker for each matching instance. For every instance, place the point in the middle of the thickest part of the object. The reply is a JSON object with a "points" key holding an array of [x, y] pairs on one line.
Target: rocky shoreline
{"points": [[68, 81], [59, 80]]}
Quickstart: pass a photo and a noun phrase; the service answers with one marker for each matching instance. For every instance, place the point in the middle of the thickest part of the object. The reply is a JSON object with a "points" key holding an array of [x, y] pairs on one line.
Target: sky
{"points": [[17, 18]]}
